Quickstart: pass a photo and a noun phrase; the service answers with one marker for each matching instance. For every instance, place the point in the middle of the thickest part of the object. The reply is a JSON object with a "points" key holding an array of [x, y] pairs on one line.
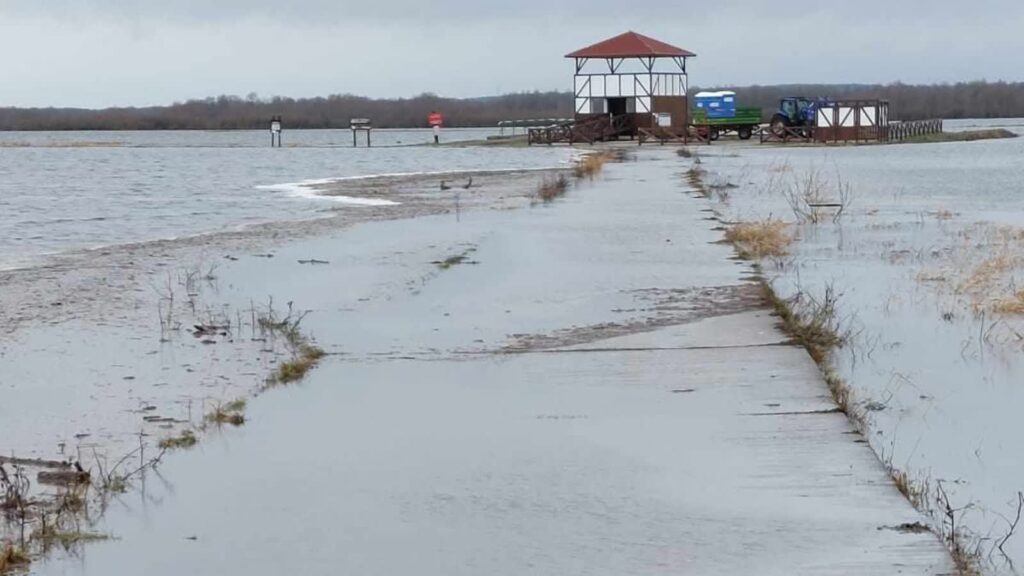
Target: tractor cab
{"points": [[797, 109], [795, 112]]}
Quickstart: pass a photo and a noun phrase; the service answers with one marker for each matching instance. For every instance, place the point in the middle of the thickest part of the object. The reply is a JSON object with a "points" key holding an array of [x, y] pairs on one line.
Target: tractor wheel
{"points": [[779, 125], [744, 132]]}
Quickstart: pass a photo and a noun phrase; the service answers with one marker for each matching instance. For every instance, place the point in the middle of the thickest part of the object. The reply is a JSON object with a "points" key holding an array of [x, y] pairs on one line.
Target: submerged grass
{"points": [[51, 536], [305, 354], [589, 165], [456, 259], [1012, 305], [305, 358], [13, 557], [551, 188], [232, 413], [761, 239], [813, 323], [695, 177], [186, 439]]}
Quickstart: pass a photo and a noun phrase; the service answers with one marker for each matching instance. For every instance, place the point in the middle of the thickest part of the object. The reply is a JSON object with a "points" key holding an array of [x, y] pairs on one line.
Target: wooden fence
{"points": [[900, 131]]}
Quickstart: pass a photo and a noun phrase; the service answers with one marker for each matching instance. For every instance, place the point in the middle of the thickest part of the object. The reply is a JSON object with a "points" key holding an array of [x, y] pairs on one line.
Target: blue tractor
{"points": [[796, 112]]}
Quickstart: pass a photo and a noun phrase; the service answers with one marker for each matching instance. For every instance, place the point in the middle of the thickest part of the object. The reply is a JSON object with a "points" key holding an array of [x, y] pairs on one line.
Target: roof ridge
{"points": [[630, 44]]}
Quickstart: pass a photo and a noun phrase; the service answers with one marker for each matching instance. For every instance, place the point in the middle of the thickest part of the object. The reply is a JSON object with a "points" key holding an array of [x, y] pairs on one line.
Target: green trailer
{"points": [[744, 123]]}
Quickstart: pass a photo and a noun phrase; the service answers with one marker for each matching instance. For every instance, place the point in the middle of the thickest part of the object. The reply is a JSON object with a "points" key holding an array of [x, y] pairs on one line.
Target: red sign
{"points": [[435, 119]]}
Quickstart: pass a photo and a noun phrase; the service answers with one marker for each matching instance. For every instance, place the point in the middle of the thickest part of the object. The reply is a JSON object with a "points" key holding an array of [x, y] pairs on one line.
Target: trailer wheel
{"points": [[715, 134], [744, 132]]}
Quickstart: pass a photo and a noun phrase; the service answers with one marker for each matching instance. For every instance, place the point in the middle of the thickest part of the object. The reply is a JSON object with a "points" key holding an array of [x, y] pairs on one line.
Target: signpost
{"points": [[275, 132], [361, 125], [435, 119]]}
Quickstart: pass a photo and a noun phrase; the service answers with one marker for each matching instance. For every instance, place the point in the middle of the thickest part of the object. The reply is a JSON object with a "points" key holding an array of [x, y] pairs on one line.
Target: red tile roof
{"points": [[630, 45]]}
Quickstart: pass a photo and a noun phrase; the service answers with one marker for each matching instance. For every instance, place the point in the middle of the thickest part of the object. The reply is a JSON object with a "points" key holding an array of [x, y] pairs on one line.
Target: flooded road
{"points": [[594, 388]]}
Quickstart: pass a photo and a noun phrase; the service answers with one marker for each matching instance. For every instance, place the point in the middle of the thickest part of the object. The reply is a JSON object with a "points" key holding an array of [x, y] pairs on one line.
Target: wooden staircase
{"points": [[589, 130]]}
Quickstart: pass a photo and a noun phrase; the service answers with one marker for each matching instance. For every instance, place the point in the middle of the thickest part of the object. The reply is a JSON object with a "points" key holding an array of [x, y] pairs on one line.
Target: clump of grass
{"points": [[761, 239], [186, 439], [840, 392], [987, 273], [589, 165], [451, 261], [812, 323], [1010, 305], [71, 499], [51, 534], [695, 177], [456, 259], [306, 357], [12, 557], [232, 413], [913, 492], [551, 188]]}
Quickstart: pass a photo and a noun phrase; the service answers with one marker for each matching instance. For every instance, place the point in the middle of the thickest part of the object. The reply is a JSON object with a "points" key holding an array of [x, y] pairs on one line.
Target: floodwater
{"points": [[928, 244], [63, 191], [421, 445]]}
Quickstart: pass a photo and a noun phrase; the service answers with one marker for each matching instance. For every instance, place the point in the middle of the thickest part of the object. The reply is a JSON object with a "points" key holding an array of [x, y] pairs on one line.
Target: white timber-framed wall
{"points": [[636, 79]]}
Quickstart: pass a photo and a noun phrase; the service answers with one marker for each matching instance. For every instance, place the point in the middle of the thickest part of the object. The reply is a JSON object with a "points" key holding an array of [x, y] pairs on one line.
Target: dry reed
{"points": [[589, 165], [760, 239], [551, 188]]}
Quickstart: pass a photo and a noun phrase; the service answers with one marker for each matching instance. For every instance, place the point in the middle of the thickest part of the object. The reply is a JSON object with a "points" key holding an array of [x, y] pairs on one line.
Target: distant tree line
{"points": [[908, 102], [252, 112]]}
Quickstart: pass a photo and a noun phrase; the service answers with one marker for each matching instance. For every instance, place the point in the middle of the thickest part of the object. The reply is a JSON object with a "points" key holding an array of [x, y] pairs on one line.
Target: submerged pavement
{"points": [[596, 390]]}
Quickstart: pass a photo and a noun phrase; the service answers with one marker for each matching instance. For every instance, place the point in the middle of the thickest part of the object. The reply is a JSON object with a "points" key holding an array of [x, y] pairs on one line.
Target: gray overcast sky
{"points": [[96, 53]]}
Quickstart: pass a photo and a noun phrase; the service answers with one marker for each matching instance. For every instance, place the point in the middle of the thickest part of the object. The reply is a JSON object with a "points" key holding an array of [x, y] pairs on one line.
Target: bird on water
{"points": [[445, 186]]}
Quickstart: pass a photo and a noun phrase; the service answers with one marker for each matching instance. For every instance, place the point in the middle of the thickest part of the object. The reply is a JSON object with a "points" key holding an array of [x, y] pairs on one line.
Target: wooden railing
{"points": [[900, 131], [590, 130]]}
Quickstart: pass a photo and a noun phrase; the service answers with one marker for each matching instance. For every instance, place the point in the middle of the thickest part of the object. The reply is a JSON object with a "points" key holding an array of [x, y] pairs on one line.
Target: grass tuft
{"points": [[1010, 305], [811, 322], [695, 177], [295, 369], [232, 413], [591, 164], [186, 439], [12, 557], [451, 261], [551, 188], [756, 240]]}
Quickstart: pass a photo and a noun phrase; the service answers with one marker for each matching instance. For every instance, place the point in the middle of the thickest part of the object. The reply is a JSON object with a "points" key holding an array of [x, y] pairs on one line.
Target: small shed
{"points": [[635, 80]]}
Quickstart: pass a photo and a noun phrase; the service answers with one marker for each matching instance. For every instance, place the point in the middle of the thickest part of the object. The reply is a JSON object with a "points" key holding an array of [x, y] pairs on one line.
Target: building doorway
{"points": [[617, 106]]}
